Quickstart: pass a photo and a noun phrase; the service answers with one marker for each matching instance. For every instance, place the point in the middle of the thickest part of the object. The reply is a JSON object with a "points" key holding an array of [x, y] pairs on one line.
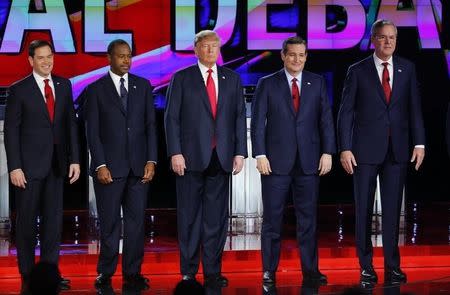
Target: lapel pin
{"points": [[223, 77], [57, 83], [399, 70], [309, 83], [134, 86]]}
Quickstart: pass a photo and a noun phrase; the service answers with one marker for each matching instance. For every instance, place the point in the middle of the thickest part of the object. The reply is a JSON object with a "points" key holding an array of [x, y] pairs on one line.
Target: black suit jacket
{"points": [[122, 140], [30, 137], [189, 123]]}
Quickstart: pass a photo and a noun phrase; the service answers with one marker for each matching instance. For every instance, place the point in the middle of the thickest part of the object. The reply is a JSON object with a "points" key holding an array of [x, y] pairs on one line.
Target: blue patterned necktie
{"points": [[123, 93]]}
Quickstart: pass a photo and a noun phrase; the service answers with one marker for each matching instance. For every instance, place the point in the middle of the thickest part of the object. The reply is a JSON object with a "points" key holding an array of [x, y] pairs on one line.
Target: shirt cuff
{"points": [[420, 146], [240, 156], [154, 162], [96, 169], [260, 156]]}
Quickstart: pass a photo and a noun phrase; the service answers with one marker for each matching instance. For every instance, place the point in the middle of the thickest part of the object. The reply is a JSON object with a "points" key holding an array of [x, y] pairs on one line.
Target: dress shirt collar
{"points": [[116, 78], [290, 77], [204, 69], [40, 80], [379, 62]]}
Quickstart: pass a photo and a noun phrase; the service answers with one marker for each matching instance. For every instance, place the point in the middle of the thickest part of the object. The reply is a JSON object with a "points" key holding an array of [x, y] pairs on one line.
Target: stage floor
{"points": [[424, 240]]}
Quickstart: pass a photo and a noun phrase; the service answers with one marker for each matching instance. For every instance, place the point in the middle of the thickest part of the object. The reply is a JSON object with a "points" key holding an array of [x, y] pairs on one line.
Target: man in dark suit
{"points": [[380, 114], [121, 135], [206, 140], [41, 148], [293, 140]]}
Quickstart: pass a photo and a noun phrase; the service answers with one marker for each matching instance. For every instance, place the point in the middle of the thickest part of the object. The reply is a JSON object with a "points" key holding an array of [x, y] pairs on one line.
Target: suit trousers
{"points": [[392, 179], [44, 198], [202, 213], [130, 194], [275, 191]]}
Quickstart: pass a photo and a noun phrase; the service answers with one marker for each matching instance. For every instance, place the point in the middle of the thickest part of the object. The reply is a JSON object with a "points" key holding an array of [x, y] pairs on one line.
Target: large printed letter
{"points": [[95, 38], [319, 38], [55, 20]]}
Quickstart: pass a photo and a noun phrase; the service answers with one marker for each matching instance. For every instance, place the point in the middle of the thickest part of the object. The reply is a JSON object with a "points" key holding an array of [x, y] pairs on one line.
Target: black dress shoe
{"points": [[137, 281], [216, 280], [64, 284], [368, 275], [315, 277], [188, 277], [102, 280], [269, 278], [394, 275]]}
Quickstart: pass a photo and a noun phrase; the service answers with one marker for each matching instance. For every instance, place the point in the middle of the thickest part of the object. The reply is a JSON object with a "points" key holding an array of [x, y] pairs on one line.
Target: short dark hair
{"points": [[291, 41], [377, 25], [114, 43], [38, 44]]}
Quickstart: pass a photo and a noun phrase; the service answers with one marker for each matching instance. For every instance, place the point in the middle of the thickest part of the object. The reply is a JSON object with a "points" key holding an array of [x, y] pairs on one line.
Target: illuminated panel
{"points": [[258, 37], [96, 40], [55, 20], [319, 38], [421, 17]]}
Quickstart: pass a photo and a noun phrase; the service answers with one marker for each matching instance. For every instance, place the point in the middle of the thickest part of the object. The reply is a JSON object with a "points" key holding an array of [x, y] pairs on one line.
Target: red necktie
{"points": [[295, 95], [49, 99], [211, 89], [385, 82]]}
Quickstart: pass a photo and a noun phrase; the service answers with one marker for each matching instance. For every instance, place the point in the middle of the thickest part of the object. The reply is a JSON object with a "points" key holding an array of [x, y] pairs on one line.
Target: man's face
{"points": [[294, 59], [207, 51], [42, 61], [384, 42], [120, 59]]}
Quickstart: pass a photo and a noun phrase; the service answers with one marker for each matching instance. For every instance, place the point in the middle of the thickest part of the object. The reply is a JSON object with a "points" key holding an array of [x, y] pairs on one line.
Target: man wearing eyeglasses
{"points": [[380, 114]]}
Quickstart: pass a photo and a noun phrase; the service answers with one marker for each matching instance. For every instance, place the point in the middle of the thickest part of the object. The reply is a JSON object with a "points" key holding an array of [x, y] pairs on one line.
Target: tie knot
{"points": [[385, 64], [210, 71], [46, 81], [122, 80], [294, 80]]}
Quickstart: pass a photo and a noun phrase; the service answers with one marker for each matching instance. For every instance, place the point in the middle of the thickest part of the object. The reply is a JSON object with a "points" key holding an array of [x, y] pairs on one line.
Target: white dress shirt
{"points": [[116, 80], [204, 71], [41, 84], [290, 77]]}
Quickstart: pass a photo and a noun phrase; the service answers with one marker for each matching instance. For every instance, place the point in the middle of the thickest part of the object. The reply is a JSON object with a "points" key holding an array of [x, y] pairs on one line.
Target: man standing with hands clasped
{"points": [[380, 114], [293, 140], [121, 134]]}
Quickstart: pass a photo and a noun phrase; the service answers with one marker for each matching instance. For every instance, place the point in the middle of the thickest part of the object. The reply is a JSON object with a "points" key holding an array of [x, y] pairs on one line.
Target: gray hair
{"points": [[377, 25], [200, 36]]}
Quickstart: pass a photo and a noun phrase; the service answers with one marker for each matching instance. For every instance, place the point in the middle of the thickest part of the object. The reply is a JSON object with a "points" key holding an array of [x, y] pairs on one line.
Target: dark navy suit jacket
{"points": [[366, 121], [280, 134], [190, 126], [31, 138], [122, 140]]}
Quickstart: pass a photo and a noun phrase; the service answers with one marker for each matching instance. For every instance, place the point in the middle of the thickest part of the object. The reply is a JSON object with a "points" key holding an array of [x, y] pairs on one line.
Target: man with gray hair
{"points": [[380, 114], [206, 142]]}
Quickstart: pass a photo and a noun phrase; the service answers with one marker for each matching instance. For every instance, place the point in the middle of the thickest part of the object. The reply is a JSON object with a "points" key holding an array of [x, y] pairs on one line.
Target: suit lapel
{"points": [[38, 95], [204, 97], [304, 94], [397, 78], [373, 74], [222, 80], [285, 91], [132, 88], [58, 98], [112, 92]]}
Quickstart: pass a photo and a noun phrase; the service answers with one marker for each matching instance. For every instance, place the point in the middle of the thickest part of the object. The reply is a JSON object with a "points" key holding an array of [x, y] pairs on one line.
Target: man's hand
{"points": [[149, 172], [325, 164], [263, 165], [74, 172], [178, 164], [418, 155], [238, 164], [103, 175], [348, 161], [17, 178]]}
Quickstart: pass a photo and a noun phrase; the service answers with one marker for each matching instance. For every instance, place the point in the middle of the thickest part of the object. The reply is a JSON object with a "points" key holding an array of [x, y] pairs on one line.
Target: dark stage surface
{"points": [[424, 240]]}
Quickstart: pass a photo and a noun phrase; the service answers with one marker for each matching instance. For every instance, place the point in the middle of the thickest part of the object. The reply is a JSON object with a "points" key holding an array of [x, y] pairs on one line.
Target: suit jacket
{"points": [[447, 130], [30, 137], [189, 123], [280, 134], [366, 121], [122, 140]]}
